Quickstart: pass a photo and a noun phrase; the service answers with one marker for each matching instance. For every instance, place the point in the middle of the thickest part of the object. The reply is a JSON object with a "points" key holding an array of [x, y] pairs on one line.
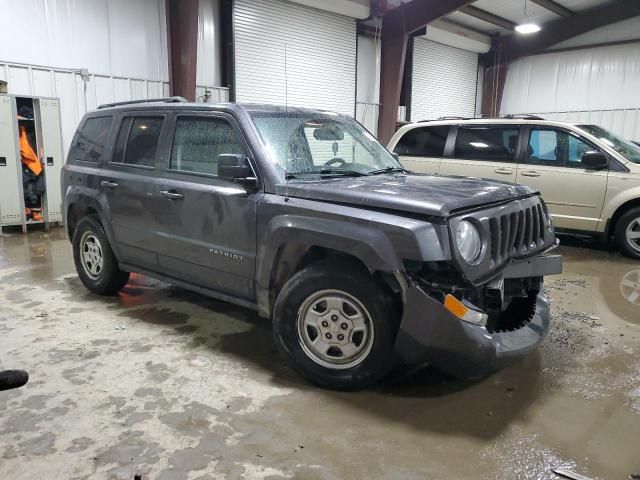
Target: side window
{"points": [[575, 149], [495, 143], [555, 147], [138, 140], [423, 142], [89, 142], [198, 141], [546, 147]]}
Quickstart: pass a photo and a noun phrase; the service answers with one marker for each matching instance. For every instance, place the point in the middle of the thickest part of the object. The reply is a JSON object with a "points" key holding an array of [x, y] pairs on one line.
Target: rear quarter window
{"points": [[423, 142], [90, 140]]}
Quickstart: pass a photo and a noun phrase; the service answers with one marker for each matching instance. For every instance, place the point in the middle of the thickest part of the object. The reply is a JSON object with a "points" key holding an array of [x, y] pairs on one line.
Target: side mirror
{"points": [[396, 156], [595, 160], [236, 167]]}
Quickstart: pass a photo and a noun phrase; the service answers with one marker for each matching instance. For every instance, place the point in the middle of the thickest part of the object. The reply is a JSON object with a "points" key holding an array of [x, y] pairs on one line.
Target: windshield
{"points": [[626, 148], [311, 144]]}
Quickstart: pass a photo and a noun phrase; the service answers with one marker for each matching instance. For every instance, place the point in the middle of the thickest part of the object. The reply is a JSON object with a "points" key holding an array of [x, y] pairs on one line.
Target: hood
{"points": [[427, 194]]}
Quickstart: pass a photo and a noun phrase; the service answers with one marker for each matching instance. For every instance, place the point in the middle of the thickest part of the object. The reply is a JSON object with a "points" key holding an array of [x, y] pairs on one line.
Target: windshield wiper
{"points": [[326, 171], [388, 170]]}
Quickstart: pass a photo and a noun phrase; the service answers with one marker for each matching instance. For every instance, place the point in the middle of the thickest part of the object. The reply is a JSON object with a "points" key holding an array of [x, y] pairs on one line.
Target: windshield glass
{"points": [[308, 144], [629, 150]]}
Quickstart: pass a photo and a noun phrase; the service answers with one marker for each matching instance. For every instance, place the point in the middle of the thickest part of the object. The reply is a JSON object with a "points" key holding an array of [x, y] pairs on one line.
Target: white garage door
{"points": [[444, 81], [321, 56]]}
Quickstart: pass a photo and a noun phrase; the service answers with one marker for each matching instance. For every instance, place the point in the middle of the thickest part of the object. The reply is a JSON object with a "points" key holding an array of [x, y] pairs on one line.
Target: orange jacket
{"points": [[27, 155]]}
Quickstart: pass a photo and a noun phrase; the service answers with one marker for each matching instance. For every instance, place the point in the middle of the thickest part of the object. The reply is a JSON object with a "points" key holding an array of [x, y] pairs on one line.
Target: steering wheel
{"points": [[335, 160]]}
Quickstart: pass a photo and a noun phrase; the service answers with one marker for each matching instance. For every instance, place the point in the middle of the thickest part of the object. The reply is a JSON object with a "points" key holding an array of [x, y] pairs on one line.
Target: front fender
{"points": [[380, 240], [619, 196], [370, 246]]}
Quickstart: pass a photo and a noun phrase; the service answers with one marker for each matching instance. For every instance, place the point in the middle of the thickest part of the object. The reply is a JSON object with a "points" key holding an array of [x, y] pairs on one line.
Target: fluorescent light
{"points": [[479, 144], [526, 28]]}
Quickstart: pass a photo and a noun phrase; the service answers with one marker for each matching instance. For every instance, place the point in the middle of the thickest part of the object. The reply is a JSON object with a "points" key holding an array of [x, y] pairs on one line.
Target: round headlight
{"points": [[468, 241]]}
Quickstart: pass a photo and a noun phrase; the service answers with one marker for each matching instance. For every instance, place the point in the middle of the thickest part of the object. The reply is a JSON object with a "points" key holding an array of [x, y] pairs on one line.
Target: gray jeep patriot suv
{"points": [[303, 216]]}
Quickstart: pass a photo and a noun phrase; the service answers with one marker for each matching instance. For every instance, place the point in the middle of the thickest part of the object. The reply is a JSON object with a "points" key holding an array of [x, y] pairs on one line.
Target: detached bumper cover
{"points": [[429, 332]]}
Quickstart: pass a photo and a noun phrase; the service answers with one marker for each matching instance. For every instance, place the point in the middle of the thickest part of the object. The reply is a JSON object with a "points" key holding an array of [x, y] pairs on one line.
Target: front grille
{"points": [[517, 234]]}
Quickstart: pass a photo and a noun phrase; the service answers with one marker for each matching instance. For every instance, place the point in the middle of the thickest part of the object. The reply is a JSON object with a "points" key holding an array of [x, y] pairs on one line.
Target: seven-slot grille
{"points": [[517, 234]]}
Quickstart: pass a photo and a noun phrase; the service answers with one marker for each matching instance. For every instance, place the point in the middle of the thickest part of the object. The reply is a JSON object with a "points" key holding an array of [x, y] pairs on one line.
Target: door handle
{"points": [[530, 173], [107, 184], [171, 195], [503, 171]]}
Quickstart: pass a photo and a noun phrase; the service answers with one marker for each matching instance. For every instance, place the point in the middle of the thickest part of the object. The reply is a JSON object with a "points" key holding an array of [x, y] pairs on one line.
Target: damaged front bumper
{"points": [[429, 332]]}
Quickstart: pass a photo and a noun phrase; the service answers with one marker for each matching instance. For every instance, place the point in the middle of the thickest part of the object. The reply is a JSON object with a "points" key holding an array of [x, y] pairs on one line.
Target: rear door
{"points": [[207, 224], [484, 151], [420, 149], [552, 165], [130, 185]]}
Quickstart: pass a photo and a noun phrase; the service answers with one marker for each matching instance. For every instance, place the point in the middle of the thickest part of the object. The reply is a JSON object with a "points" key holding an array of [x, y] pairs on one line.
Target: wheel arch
{"points": [[288, 248], [78, 205], [620, 210]]}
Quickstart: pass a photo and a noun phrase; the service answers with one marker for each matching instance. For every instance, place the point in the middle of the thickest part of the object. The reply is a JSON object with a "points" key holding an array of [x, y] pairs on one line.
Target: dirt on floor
{"points": [[169, 384]]}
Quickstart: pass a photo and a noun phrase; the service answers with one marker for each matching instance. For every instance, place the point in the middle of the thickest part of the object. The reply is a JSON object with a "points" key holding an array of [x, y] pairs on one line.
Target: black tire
{"points": [[109, 279], [378, 303], [630, 217]]}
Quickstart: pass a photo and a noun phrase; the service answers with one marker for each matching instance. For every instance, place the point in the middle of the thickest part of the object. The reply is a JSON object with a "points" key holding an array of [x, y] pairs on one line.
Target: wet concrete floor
{"points": [[169, 384]]}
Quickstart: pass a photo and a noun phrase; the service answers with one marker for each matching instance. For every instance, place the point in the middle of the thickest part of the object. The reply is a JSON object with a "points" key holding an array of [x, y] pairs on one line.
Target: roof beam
{"points": [[488, 17], [397, 25], [554, 7], [508, 48], [412, 16]]}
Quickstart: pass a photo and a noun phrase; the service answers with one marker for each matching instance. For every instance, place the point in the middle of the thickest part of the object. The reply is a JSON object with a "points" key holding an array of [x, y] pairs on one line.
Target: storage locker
{"points": [[30, 182], [11, 209], [48, 115]]}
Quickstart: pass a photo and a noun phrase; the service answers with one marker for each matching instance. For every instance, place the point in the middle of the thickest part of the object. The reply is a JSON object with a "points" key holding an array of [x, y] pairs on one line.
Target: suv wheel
{"points": [[336, 325], [94, 260], [627, 233]]}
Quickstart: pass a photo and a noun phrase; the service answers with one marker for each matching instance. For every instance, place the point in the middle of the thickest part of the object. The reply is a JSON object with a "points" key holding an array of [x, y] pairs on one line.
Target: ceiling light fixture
{"points": [[527, 28]]}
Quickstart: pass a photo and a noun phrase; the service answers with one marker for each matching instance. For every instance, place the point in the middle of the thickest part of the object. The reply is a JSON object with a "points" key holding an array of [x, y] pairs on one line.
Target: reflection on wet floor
{"points": [[168, 383]]}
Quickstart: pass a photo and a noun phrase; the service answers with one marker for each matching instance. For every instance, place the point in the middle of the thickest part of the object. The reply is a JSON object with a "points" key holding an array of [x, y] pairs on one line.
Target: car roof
{"points": [[175, 103], [524, 120]]}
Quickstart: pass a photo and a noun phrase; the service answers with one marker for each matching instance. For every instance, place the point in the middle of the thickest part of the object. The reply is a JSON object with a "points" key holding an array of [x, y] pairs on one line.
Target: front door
{"points": [[130, 185], [484, 151], [553, 166], [208, 223]]}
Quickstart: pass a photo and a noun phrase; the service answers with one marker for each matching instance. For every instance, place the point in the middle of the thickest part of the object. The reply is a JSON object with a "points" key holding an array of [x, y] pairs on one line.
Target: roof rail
{"points": [[452, 117], [147, 100], [523, 116]]}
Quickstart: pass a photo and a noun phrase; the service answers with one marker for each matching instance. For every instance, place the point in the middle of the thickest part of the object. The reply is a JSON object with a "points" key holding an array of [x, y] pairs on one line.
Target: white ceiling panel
{"points": [[514, 10], [474, 23]]}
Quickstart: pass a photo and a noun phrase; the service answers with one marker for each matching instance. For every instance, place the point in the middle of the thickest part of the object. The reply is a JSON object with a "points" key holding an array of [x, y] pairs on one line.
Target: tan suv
{"points": [[589, 177]]}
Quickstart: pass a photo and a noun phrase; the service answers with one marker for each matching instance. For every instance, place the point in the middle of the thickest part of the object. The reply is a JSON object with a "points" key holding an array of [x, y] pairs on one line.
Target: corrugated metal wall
{"points": [[444, 81], [624, 122], [321, 55], [596, 85], [76, 97], [122, 38]]}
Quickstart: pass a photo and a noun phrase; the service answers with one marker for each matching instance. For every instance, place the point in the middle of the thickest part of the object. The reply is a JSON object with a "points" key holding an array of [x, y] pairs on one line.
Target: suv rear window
{"points": [[89, 142], [423, 142], [497, 143], [138, 140]]}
